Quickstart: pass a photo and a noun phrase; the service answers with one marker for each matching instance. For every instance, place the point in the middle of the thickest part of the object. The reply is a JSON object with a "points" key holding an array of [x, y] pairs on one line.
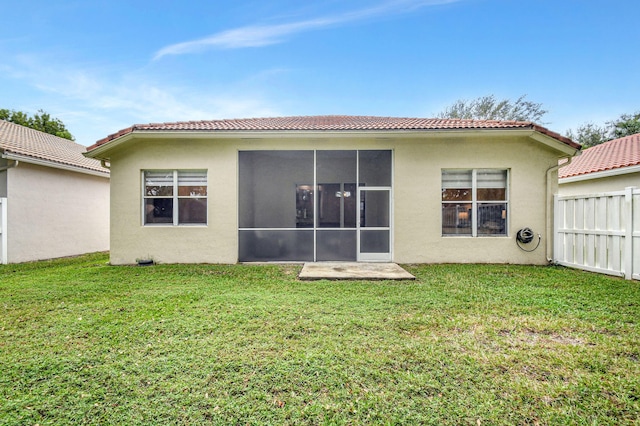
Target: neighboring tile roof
{"points": [[32, 143], [333, 123], [623, 152]]}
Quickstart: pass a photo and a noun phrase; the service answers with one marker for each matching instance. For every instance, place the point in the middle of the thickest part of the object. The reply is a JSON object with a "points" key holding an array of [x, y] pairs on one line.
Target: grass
{"points": [[82, 342]]}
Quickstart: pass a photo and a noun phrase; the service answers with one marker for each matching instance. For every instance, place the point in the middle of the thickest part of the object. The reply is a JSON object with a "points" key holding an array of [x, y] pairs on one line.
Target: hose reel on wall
{"points": [[525, 236]]}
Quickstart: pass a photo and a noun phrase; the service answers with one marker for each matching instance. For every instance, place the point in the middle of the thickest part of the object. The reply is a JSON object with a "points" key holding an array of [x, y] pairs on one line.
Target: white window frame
{"points": [[175, 198], [475, 203]]}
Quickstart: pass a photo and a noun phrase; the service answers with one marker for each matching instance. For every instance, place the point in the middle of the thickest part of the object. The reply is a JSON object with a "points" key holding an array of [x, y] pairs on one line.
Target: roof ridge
{"points": [[299, 117]]}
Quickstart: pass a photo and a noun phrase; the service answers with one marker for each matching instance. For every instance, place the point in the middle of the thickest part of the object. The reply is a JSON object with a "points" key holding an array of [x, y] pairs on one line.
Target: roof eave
{"points": [[601, 174], [41, 162], [552, 142], [101, 152]]}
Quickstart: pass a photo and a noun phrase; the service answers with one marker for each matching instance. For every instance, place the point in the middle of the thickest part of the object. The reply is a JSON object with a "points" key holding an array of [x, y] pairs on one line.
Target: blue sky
{"points": [[103, 65]]}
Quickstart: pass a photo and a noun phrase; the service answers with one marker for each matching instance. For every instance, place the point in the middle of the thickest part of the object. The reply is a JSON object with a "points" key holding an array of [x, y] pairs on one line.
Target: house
{"points": [[54, 202], [331, 188], [610, 166]]}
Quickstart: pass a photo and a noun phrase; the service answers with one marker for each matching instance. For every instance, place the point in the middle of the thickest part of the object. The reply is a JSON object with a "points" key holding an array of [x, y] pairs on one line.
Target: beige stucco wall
{"points": [[600, 185], [417, 191], [214, 243], [418, 208], [55, 213]]}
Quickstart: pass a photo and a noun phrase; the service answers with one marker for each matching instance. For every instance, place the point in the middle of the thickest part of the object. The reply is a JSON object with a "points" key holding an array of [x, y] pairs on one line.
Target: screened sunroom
{"points": [[315, 205]]}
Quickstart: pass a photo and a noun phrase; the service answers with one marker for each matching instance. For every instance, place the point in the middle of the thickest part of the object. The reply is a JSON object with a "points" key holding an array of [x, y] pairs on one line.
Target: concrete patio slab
{"points": [[353, 271]]}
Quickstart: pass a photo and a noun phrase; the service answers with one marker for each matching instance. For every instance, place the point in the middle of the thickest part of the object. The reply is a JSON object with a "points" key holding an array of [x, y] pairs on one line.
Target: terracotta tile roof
{"points": [[623, 152], [333, 123], [23, 141]]}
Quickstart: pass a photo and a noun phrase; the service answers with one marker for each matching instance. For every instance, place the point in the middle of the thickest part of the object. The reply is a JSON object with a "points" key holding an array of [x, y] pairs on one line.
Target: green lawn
{"points": [[82, 342]]}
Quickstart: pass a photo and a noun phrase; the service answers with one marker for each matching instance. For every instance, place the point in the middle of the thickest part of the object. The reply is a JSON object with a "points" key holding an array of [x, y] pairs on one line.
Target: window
{"points": [[474, 202], [175, 197]]}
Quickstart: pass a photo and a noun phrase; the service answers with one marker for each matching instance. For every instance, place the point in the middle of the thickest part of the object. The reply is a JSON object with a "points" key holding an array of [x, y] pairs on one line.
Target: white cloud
{"points": [[251, 36], [264, 35], [96, 102]]}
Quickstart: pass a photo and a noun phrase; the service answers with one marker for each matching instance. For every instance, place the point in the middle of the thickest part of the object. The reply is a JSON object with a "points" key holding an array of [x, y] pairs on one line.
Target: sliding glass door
{"points": [[336, 176]]}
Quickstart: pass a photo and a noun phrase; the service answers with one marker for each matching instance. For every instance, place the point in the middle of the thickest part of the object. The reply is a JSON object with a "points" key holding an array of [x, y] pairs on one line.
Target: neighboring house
{"points": [[331, 188], [610, 166], [55, 201]]}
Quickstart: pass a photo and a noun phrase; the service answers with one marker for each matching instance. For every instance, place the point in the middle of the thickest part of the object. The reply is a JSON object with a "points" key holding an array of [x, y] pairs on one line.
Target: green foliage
{"points": [[86, 343], [17, 117], [490, 108], [626, 125], [41, 121], [590, 134]]}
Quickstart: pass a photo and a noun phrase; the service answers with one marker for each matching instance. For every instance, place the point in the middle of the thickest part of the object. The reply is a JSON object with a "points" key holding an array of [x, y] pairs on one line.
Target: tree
{"points": [[489, 108], [17, 117], [41, 121], [589, 134], [627, 124]]}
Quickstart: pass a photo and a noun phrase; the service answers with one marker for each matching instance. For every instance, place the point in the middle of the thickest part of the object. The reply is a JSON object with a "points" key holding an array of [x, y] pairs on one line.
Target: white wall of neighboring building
{"points": [[592, 184], [55, 213]]}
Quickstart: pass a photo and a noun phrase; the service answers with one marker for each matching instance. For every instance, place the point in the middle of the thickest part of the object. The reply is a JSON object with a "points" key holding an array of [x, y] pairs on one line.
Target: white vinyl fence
{"points": [[3, 231], [599, 232]]}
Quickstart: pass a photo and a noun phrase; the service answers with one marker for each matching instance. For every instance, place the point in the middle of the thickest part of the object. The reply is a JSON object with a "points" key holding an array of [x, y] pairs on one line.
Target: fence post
{"points": [[3, 232], [628, 233]]}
